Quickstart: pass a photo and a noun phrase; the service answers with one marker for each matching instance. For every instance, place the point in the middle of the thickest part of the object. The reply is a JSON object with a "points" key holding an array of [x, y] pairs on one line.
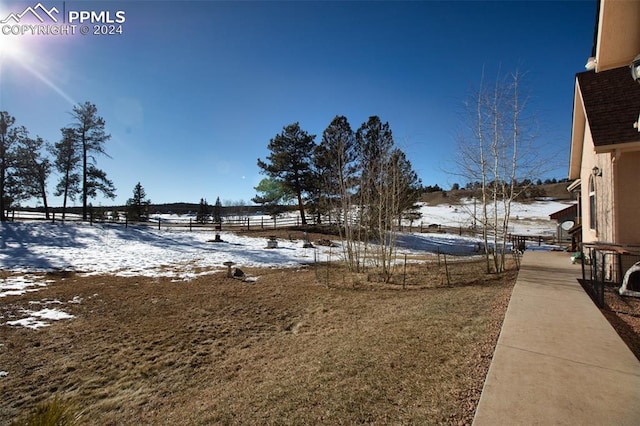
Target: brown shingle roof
{"points": [[572, 210], [612, 102]]}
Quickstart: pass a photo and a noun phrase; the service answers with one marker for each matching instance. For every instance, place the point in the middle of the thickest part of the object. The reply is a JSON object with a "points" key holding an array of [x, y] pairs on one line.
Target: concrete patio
{"points": [[558, 360]]}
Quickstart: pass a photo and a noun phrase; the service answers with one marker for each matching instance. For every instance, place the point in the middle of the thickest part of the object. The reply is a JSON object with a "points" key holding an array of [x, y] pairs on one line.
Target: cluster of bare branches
{"points": [[496, 149]]}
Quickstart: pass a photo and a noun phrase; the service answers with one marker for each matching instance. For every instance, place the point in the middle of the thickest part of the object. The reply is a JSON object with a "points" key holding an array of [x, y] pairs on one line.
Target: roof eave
{"points": [[577, 133], [627, 146]]}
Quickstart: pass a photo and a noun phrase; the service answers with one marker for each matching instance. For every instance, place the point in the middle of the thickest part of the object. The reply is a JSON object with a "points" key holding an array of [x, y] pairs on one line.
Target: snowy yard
{"points": [[28, 249]]}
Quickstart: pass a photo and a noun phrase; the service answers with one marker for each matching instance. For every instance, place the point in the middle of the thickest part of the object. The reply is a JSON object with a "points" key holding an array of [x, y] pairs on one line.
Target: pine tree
{"points": [[138, 205], [374, 144], [202, 215], [388, 186], [336, 170], [290, 162], [67, 158], [9, 137], [217, 211], [33, 170], [90, 136], [334, 161], [406, 186]]}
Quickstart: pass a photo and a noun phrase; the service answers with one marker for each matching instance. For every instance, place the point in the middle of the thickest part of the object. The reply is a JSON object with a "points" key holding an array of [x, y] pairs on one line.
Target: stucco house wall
{"points": [[627, 205], [602, 228]]}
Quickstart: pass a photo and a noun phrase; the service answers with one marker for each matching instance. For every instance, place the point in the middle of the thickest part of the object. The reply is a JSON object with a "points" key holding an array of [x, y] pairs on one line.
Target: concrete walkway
{"points": [[558, 361]]}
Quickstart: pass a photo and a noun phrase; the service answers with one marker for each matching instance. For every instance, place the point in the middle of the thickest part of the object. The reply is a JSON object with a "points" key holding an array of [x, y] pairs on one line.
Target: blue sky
{"points": [[192, 91]]}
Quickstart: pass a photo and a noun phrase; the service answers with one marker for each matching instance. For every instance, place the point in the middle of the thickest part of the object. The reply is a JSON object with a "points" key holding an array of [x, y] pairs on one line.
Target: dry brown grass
{"points": [[283, 350]]}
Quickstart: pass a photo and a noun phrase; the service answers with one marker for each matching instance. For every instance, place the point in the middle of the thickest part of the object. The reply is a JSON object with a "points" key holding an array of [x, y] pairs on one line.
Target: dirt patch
{"points": [[282, 350]]}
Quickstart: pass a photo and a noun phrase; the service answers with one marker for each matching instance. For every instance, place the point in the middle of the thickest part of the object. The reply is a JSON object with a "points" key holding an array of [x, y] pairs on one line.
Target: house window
{"points": [[592, 203]]}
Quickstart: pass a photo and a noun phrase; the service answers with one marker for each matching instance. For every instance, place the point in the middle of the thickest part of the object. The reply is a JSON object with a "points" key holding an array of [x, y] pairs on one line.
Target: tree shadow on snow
{"points": [[18, 240]]}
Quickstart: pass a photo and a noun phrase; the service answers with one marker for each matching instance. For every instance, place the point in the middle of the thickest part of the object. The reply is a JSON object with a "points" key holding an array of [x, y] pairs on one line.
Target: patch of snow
{"points": [[51, 314], [4, 373], [45, 302], [18, 285], [34, 318], [28, 322]]}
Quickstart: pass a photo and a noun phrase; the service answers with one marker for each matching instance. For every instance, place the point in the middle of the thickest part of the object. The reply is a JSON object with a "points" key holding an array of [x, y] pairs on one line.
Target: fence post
{"points": [[404, 273], [328, 263], [53, 216], [126, 222], [248, 224], [190, 224], [159, 220], [262, 223], [446, 270]]}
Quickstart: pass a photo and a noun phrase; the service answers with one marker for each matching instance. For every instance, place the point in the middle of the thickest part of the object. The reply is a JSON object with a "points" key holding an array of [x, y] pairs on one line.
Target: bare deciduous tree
{"points": [[496, 149]]}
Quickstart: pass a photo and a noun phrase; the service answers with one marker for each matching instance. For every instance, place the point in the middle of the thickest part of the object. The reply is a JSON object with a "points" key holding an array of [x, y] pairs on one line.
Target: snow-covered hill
{"points": [[526, 218]]}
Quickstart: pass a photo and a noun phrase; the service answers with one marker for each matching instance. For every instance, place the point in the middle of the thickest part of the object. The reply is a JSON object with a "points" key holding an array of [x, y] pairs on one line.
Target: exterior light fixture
{"points": [[635, 68], [596, 171]]}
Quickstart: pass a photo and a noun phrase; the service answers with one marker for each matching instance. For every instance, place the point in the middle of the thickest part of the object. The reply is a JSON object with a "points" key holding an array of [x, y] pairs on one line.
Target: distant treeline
{"points": [[168, 208]]}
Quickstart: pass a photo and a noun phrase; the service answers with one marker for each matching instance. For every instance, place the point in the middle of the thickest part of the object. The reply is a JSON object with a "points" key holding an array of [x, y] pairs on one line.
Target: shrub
{"points": [[55, 412]]}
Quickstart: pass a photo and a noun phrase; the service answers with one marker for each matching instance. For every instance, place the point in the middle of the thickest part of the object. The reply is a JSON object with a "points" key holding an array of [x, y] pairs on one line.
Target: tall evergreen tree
{"points": [[217, 211], [335, 163], [388, 186], [67, 158], [90, 136], [335, 167], [138, 205], [407, 184], [290, 162], [202, 215], [33, 170], [9, 136], [374, 144]]}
